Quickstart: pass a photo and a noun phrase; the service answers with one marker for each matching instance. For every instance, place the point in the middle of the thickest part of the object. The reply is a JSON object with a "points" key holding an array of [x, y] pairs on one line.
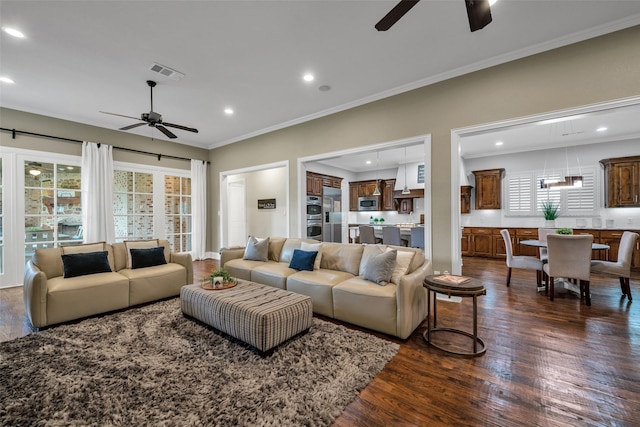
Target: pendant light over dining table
{"points": [[405, 189], [376, 192]]}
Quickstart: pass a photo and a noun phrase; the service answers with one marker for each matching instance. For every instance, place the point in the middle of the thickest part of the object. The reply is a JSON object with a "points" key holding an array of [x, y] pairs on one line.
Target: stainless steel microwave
{"points": [[370, 203]]}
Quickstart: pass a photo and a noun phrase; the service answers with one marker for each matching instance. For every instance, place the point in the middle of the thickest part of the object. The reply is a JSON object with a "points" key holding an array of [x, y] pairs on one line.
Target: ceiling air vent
{"points": [[167, 72]]}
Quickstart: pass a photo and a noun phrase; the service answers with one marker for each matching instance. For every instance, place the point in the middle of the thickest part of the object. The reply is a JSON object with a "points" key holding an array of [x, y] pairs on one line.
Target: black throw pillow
{"points": [[85, 263], [141, 258]]}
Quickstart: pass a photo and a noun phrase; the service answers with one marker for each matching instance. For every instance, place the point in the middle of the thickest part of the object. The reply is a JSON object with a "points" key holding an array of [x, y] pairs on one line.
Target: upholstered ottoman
{"points": [[256, 314]]}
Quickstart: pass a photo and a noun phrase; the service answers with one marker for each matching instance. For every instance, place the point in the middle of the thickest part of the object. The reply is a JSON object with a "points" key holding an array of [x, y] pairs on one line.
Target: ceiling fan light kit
{"points": [[153, 119], [478, 12]]}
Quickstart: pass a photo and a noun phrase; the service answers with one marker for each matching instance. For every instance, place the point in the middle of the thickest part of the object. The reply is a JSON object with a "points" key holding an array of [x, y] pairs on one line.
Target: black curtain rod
{"points": [[14, 132]]}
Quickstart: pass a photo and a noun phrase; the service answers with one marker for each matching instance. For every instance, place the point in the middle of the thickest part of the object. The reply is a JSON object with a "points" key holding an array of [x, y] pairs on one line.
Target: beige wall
{"points": [[593, 71]]}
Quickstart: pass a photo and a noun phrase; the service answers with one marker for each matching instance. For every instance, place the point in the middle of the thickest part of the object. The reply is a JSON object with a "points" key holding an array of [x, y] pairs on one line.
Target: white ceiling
{"points": [[80, 57]]}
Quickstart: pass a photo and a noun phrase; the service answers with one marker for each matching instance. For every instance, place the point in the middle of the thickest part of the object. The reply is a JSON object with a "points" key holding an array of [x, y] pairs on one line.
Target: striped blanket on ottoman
{"points": [[256, 314]]}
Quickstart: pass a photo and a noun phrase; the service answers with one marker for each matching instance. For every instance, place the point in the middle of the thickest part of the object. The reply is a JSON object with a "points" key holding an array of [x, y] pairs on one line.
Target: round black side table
{"points": [[459, 286]]}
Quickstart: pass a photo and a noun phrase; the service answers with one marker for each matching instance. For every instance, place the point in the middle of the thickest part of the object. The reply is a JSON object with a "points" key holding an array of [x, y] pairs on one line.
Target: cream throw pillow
{"points": [[83, 249], [138, 244], [257, 249], [313, 247], [403, 261]]}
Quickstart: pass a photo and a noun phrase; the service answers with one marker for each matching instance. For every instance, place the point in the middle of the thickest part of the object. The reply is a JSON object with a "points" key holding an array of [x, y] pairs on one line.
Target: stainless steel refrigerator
{"points": [[331, 215]]}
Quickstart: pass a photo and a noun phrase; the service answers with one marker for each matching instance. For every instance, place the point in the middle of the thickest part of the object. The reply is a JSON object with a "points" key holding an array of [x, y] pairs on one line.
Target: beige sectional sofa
{"points": [[337, 288], [51, 298]]}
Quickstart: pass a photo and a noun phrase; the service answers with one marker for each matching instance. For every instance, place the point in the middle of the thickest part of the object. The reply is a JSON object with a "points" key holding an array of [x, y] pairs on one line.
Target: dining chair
{"points": [[542, 236], [524, 262], [367, 235], [391, 236], [569, 257], [622, 267], [417, 237]]}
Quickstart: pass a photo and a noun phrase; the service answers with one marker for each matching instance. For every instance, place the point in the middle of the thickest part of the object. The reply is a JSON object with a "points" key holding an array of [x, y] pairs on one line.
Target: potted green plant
{"points": [[567, 231], [221, 272], [550, 212]]}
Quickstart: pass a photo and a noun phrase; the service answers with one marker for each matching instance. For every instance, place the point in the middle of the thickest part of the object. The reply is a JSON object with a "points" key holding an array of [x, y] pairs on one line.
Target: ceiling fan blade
{"points": [[479, 13], [132, 126], [395, 14], [171, 125], [165, 131], [120, 115]]}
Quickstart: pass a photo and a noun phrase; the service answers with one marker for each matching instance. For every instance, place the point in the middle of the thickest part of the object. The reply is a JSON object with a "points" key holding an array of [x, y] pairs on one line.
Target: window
{"points": [[52, 207], [178, 212], [525, 197], [133, 205]]}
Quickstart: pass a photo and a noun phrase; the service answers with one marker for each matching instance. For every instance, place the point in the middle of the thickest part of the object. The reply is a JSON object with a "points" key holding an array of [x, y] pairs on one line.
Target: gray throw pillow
{"points": [[257, 250], [379, 268]]}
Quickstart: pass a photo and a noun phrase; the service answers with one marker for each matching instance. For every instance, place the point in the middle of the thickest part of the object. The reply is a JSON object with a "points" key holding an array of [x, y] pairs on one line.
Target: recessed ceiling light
{"points": [[324, 88], [602, 128], [228, 111], [13, 32], [308, 77], [6, 80], [368, 162], [499, 143]]}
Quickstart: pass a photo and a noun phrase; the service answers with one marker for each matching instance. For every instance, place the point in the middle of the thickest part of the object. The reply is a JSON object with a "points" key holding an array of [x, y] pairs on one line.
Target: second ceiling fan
{"points": [[478, 12]]}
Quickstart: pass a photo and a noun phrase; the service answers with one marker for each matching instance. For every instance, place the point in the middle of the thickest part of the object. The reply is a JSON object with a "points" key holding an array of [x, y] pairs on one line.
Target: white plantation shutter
{"points": [[582, 200], [519, 194], [548, 194]]}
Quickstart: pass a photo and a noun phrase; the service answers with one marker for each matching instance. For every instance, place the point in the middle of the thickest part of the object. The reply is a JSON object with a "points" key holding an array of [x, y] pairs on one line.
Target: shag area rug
{"points": [[152, 366]]}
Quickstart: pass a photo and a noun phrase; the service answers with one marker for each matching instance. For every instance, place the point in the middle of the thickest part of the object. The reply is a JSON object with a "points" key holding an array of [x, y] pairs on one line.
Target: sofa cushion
{"points": [[49, 261], [154, 283], [287, 249], [317, 247], [81, 264], [341, 257], [82, 296], [380, 267], [141, 258], [82, 249], [403, 261], [257, 249], [241, 268], [275, 247], [366, 304], [138, 244], [369, 252], [272, 274], [303, 260], [121, 253], [318, 284]]}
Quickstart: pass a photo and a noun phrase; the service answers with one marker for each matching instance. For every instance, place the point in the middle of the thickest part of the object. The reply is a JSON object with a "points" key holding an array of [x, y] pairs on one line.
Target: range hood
{"points": [[412, 177]]}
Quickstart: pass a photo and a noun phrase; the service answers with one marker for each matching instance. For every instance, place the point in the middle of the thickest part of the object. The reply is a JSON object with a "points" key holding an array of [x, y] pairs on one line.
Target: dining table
{"points": [[562, 281]]}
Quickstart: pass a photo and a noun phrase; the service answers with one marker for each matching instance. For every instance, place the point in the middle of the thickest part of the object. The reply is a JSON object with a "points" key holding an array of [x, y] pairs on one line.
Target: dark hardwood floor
{"points": [[548, 363]]}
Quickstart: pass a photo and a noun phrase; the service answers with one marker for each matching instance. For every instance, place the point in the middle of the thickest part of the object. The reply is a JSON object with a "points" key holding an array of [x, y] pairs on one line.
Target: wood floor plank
{"points": [[547, 364]]}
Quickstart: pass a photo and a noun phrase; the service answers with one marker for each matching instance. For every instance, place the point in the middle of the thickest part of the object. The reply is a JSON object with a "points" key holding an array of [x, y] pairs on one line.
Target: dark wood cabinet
{"points": [[622, 182], [316, 181], [387, 195], [487, 242], [465, 199], [488, 188], [363, 189]]}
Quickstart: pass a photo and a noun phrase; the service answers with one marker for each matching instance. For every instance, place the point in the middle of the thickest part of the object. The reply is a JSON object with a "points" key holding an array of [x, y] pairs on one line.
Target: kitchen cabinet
{"points": [[387, 195], [488, 188], [622, 182], [465, 199], [362, 189], [487, 242], [316, 181]]}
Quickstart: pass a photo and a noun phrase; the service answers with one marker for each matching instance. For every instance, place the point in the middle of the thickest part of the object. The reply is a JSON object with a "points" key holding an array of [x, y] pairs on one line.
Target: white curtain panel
{"points": [[97, 193], [198, 208]]}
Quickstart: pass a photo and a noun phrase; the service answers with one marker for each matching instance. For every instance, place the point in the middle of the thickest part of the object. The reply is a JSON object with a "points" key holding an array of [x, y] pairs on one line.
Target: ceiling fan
{"points": [[478, 12], [153, 119]]}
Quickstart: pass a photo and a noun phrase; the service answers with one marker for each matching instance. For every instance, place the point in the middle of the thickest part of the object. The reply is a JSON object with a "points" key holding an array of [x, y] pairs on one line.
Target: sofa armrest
{"points": [[411, 300], [229, 254], [184, 259], [35, 295]]}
